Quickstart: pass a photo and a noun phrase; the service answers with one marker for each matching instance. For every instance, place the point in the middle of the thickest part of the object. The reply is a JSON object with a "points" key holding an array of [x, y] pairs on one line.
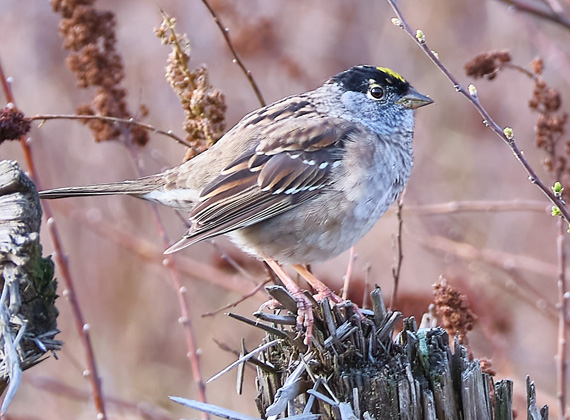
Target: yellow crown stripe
{"points": [[392, 73]]}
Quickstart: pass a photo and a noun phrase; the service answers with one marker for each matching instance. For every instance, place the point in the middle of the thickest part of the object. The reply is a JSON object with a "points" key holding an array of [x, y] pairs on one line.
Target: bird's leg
{"points": [[323, 291], [304, 305]]}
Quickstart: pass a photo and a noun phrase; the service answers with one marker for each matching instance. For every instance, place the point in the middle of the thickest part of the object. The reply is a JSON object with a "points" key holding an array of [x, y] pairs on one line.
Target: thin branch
{"points": [[240, 300], [472, 97], [562, 362], [531, 9], [129, 121], [476, 206], [399, 255], [232, 262], [181, 294], [225, 33], [92, 373]]}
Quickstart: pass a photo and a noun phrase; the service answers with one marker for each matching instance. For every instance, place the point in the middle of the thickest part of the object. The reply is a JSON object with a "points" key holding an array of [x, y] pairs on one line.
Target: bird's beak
{"points": [[414, 99]]}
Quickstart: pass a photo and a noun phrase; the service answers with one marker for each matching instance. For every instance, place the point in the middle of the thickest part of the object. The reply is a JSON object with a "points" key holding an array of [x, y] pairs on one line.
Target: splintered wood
{"points": [[355, 369]]}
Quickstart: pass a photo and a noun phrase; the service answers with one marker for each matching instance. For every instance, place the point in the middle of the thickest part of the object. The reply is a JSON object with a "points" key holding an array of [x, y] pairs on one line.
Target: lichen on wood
{"points": [[27, 303]]}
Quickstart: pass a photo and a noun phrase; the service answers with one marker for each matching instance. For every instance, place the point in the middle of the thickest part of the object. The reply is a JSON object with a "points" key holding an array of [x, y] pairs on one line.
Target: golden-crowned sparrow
{"points": [[297, 181]]}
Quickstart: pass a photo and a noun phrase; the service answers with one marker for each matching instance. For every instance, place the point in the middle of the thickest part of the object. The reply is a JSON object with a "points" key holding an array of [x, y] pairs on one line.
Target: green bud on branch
{"points": [[557, 189], [420, 36]]}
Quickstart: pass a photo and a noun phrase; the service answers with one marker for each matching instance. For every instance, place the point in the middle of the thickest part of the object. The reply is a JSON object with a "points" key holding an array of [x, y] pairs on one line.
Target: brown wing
{"points": [[291, 164]]}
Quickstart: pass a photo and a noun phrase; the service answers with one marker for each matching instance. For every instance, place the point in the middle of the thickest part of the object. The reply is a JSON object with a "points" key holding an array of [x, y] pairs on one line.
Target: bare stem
{"points": [[476, 206], [399, 256], [129, 121], [562, 363], [181, 294], [237, 59], [487, 120], [81, 325]]}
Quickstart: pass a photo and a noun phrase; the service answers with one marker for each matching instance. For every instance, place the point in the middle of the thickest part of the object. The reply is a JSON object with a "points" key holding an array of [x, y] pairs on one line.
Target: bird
{"points": [[295, 182]]}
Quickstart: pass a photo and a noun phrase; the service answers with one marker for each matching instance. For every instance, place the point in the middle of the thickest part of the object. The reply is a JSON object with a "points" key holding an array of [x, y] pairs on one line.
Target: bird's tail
{"points": [[135, 188]]}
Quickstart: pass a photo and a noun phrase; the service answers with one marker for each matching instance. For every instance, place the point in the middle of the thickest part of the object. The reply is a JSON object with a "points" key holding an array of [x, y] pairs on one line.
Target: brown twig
{"points": [[240, 300], [225, 33], [399, 256], [476, 206], [181, 294], [129, 121], [547, 14], [562, 362], [92, 373], [471, 96]]}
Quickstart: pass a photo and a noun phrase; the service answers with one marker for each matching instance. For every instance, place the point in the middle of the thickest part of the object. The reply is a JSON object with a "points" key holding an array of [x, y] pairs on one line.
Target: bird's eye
{"points": [[376, 92]]}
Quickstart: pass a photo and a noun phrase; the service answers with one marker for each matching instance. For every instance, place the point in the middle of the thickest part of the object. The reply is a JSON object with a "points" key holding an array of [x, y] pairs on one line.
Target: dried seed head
{"points": [[487, 64], [13, 124], [89, 35], [453, 310], [204, 107]]}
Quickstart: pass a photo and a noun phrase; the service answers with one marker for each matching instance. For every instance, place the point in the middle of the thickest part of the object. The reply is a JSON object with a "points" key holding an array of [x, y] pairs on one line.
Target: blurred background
{"points": [[504, 261]]}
